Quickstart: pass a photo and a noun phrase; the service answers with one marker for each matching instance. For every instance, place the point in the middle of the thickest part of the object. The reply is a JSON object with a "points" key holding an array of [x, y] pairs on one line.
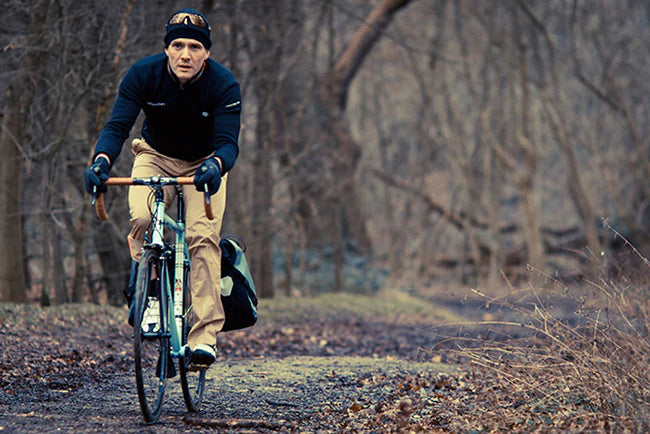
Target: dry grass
{"points": [[546, 367], [388, 305]]}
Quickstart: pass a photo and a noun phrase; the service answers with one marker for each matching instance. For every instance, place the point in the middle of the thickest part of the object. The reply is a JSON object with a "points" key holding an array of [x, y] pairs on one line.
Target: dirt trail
{"points": [[69, 369], [331, 363], [290, 394]]}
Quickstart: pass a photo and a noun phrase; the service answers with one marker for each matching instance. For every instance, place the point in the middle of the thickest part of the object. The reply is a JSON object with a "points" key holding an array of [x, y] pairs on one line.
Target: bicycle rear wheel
{"points": [[151, 347], [192, 382]]}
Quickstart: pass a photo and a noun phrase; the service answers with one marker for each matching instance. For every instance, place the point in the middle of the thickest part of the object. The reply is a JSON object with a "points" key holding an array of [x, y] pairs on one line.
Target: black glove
{"points": [[96, 175], [208, 173]]}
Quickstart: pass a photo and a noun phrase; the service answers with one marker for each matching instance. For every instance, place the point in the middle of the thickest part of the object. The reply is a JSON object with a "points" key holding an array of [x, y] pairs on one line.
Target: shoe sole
{"points": [[201, 360], [194, 367]]}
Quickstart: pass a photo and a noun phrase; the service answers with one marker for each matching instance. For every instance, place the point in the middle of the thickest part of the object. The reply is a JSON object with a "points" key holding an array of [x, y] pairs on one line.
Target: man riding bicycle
{"points": [[192, 107]]}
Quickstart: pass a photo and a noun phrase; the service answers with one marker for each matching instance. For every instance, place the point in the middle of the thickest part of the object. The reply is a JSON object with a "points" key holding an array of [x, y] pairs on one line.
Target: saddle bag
{"points": [[238, 294]]}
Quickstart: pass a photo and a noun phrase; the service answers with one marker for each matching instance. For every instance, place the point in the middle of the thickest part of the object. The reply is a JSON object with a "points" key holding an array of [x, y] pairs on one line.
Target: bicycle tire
{"points": [[151, 349], [192, 382]]}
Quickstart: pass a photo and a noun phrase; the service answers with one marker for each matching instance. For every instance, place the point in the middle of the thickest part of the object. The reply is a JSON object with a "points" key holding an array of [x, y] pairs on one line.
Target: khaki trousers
{"points": [[202, 235]]}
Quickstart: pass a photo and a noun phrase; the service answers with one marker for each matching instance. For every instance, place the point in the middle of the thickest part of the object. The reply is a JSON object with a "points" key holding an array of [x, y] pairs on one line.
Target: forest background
{"points": [[384, 143]]}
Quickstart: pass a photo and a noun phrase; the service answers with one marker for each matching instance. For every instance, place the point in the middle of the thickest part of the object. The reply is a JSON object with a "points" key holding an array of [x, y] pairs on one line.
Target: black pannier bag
{"points": [[237, 288]]}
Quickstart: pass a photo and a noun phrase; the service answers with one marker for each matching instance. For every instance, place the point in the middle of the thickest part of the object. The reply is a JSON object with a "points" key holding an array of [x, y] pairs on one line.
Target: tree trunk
{"points": [[333, 94], [356, 51], [339, 251], [58, 275], [237, 217], [574, 182], [13, 137], [114, 259], [269, 20], [109, 241], [531, 162], [76, 293], [261, 252], [12, 277]]}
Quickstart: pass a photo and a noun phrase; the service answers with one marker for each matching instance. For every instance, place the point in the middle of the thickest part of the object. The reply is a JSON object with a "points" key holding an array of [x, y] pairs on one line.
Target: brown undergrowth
{"points": [[552, 359], [558, 358]]}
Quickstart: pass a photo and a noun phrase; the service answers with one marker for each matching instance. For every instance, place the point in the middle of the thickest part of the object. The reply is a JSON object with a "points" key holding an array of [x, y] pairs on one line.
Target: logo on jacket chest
{"points": [[176, 108]]}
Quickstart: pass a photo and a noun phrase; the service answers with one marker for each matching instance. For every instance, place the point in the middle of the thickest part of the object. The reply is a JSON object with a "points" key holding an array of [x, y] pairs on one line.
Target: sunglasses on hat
{"points": [[187, 19]]}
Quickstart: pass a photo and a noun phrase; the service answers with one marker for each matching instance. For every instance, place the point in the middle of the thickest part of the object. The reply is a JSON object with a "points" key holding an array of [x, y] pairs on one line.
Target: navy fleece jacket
{"points": [[185, 121]]}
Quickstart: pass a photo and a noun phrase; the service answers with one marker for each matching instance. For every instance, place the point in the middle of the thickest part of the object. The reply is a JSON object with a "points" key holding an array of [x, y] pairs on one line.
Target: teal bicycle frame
{"points": [[181, 262], [175, 315], [160, 218]]}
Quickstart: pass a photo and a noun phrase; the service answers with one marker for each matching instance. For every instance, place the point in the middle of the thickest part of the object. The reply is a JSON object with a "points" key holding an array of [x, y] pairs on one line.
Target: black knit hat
{"points": [[194, 25]]}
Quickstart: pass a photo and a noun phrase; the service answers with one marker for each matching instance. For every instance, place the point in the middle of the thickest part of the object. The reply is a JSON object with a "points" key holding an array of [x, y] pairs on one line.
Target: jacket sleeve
{"points": [[129, 101], [227, 123]]}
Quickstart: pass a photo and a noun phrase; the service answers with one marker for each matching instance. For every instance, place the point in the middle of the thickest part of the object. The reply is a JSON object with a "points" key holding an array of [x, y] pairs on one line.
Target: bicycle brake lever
{"points": [[207, 193], [94, 196]]}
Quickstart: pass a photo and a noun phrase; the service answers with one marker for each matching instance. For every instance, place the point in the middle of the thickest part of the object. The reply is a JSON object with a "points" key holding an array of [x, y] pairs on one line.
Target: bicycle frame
{"points": [[181, 259], [160, 219], [158, 258]]}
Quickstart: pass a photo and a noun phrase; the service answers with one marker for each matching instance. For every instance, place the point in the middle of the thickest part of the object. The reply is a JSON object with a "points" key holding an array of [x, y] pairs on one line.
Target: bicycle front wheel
{"points": [[192, 382], [151, 346]]}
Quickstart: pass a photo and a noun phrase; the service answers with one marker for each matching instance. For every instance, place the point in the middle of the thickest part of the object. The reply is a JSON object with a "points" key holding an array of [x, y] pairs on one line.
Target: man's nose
{"points": [[185, 53]]}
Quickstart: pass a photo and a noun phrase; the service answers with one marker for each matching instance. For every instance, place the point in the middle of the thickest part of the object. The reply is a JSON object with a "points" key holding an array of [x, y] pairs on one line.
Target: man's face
{"points": [[186, 57]]}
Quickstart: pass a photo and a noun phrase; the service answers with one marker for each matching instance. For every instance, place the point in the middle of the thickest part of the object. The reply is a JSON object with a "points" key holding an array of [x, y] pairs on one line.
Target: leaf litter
{"points": [[313, 369]]}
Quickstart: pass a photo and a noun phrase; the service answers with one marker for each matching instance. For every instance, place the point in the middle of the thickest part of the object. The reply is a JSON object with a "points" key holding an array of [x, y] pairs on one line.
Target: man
{"points": [[192, 108]]}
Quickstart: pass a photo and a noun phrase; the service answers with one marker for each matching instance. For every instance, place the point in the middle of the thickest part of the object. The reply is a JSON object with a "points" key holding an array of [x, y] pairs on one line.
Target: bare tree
{"points": [[18, 99], [333, 95], [468, 118], [575, 186]]}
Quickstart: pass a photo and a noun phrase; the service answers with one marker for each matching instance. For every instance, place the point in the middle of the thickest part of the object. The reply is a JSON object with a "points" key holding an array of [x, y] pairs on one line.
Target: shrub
{"points": [[561, 358]]}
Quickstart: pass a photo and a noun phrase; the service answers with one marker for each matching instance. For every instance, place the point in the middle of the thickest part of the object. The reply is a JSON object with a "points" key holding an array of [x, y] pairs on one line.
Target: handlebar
{"points": [[100, 207]]}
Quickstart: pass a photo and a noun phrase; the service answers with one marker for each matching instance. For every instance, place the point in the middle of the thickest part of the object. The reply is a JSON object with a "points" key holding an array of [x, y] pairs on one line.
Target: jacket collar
{"points": [[192, 80]]}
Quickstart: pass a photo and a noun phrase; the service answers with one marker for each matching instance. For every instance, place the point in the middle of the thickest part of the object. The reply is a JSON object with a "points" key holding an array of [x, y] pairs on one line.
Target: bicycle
{"points": [[156, 344]]}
